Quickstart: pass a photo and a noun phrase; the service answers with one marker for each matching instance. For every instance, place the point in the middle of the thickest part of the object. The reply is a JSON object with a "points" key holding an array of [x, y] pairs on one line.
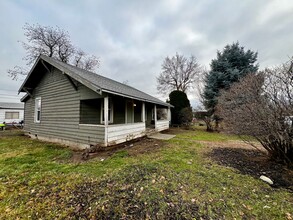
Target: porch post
{"points": [[143, 112], [155, 115], [106, 112], [169, 114]]}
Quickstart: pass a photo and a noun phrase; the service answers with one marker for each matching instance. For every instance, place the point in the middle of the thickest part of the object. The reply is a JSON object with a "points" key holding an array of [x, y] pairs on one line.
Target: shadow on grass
{"points": [[11, 133], [254, 163]]}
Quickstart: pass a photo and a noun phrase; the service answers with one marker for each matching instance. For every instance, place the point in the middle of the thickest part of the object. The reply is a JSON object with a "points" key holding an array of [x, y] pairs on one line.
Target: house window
{"points": [[38, 104], [11, 115], [110, 111]]}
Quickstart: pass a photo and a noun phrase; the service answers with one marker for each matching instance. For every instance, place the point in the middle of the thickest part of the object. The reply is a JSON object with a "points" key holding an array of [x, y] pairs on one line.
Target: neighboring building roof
{"points": [[7, 105], [94, 81]]}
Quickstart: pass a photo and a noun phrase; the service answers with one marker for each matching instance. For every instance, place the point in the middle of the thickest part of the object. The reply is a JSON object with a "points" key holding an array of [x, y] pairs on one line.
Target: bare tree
{"points": [[78, 57], [84, 61], [53, 42], [261, 106], [200, 85], [17, 72], [47, 40], [178, 73]]}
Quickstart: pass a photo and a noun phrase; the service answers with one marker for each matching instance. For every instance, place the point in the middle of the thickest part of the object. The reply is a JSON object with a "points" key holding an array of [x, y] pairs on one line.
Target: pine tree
{"points": [[231, 64]]}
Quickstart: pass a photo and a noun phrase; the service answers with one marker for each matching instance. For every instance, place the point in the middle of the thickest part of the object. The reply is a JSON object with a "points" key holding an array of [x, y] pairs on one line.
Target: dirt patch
{"points": [[250, 161], [129, 194], [233, 144], [133, 148]]}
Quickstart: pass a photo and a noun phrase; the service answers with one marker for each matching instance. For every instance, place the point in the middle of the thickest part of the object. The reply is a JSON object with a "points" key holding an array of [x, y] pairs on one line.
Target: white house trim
{"points": [[37, 117]]}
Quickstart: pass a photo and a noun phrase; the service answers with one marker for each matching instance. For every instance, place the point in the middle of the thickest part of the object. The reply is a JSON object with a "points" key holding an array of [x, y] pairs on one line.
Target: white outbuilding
{"points": [[11, 113]]}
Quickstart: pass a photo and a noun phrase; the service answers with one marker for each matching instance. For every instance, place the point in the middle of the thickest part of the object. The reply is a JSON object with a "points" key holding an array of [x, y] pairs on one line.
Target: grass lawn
{"points": [[39, 180]]}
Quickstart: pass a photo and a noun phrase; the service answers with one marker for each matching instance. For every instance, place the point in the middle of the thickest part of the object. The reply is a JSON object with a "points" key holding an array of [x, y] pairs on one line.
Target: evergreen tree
{"points": [[231, 64], [182, 112]]}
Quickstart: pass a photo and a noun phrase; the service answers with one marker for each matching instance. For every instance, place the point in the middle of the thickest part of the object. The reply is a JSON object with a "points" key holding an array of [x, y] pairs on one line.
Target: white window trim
{"points": [[36, 110], [111, 111]]}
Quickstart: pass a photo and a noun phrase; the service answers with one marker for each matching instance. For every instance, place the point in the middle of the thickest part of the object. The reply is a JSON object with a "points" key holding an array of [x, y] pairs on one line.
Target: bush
{"points": [[181, 113], [185, 116], [261, 105]]}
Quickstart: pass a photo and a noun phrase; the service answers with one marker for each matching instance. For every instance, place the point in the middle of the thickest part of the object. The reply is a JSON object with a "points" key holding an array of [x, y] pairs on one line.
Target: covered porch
{"points": [[116, 119]]}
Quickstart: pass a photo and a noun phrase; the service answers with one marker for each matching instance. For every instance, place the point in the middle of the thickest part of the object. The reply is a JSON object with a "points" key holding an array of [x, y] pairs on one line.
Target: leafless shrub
{"points": [[261, 106], [185, 116]]}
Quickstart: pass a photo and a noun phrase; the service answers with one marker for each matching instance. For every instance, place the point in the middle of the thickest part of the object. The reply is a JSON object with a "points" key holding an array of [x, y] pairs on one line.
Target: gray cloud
{"points": [[133, 37]]}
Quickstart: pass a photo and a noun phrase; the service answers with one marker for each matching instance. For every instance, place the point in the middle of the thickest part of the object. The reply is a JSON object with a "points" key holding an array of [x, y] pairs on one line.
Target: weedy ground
{"points": [[192, 176]]}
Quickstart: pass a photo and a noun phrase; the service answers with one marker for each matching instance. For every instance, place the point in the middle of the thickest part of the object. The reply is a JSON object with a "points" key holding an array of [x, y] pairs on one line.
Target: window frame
{"points": [[38, 109], [12, 113]]}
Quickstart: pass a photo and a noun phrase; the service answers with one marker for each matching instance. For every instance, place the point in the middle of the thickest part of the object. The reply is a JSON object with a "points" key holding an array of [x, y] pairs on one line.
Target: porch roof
{"points": [[92, 80]]}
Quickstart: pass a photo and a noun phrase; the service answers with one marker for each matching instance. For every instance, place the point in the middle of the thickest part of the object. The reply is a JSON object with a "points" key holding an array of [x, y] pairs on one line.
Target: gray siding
{"points": [[91, 134], [60, 111], [90, 111]]}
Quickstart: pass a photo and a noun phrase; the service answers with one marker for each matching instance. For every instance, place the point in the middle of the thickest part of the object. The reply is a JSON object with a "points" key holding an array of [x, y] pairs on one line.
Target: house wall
{"points": [[17, 120], [2, 115], [121, 133], [90, 111], [91, 134], [61, 106], [60, 112]]}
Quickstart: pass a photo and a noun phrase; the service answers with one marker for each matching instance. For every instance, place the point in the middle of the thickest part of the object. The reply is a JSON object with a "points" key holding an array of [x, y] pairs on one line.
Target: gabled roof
{"points": [[8, 105], [91, 80]]}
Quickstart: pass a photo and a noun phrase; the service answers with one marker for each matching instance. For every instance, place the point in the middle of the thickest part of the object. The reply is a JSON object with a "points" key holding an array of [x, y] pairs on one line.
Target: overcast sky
{"points": [[132, 38]]}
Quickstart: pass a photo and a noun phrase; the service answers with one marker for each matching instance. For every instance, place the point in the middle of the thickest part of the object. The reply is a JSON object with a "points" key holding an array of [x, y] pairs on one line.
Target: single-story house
{"points": [[11, 113], [69, 105]]}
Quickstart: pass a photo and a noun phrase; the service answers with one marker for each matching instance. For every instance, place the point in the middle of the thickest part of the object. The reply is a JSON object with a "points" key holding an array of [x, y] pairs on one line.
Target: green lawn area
{"points": [[38, 180], [202, 135]]}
